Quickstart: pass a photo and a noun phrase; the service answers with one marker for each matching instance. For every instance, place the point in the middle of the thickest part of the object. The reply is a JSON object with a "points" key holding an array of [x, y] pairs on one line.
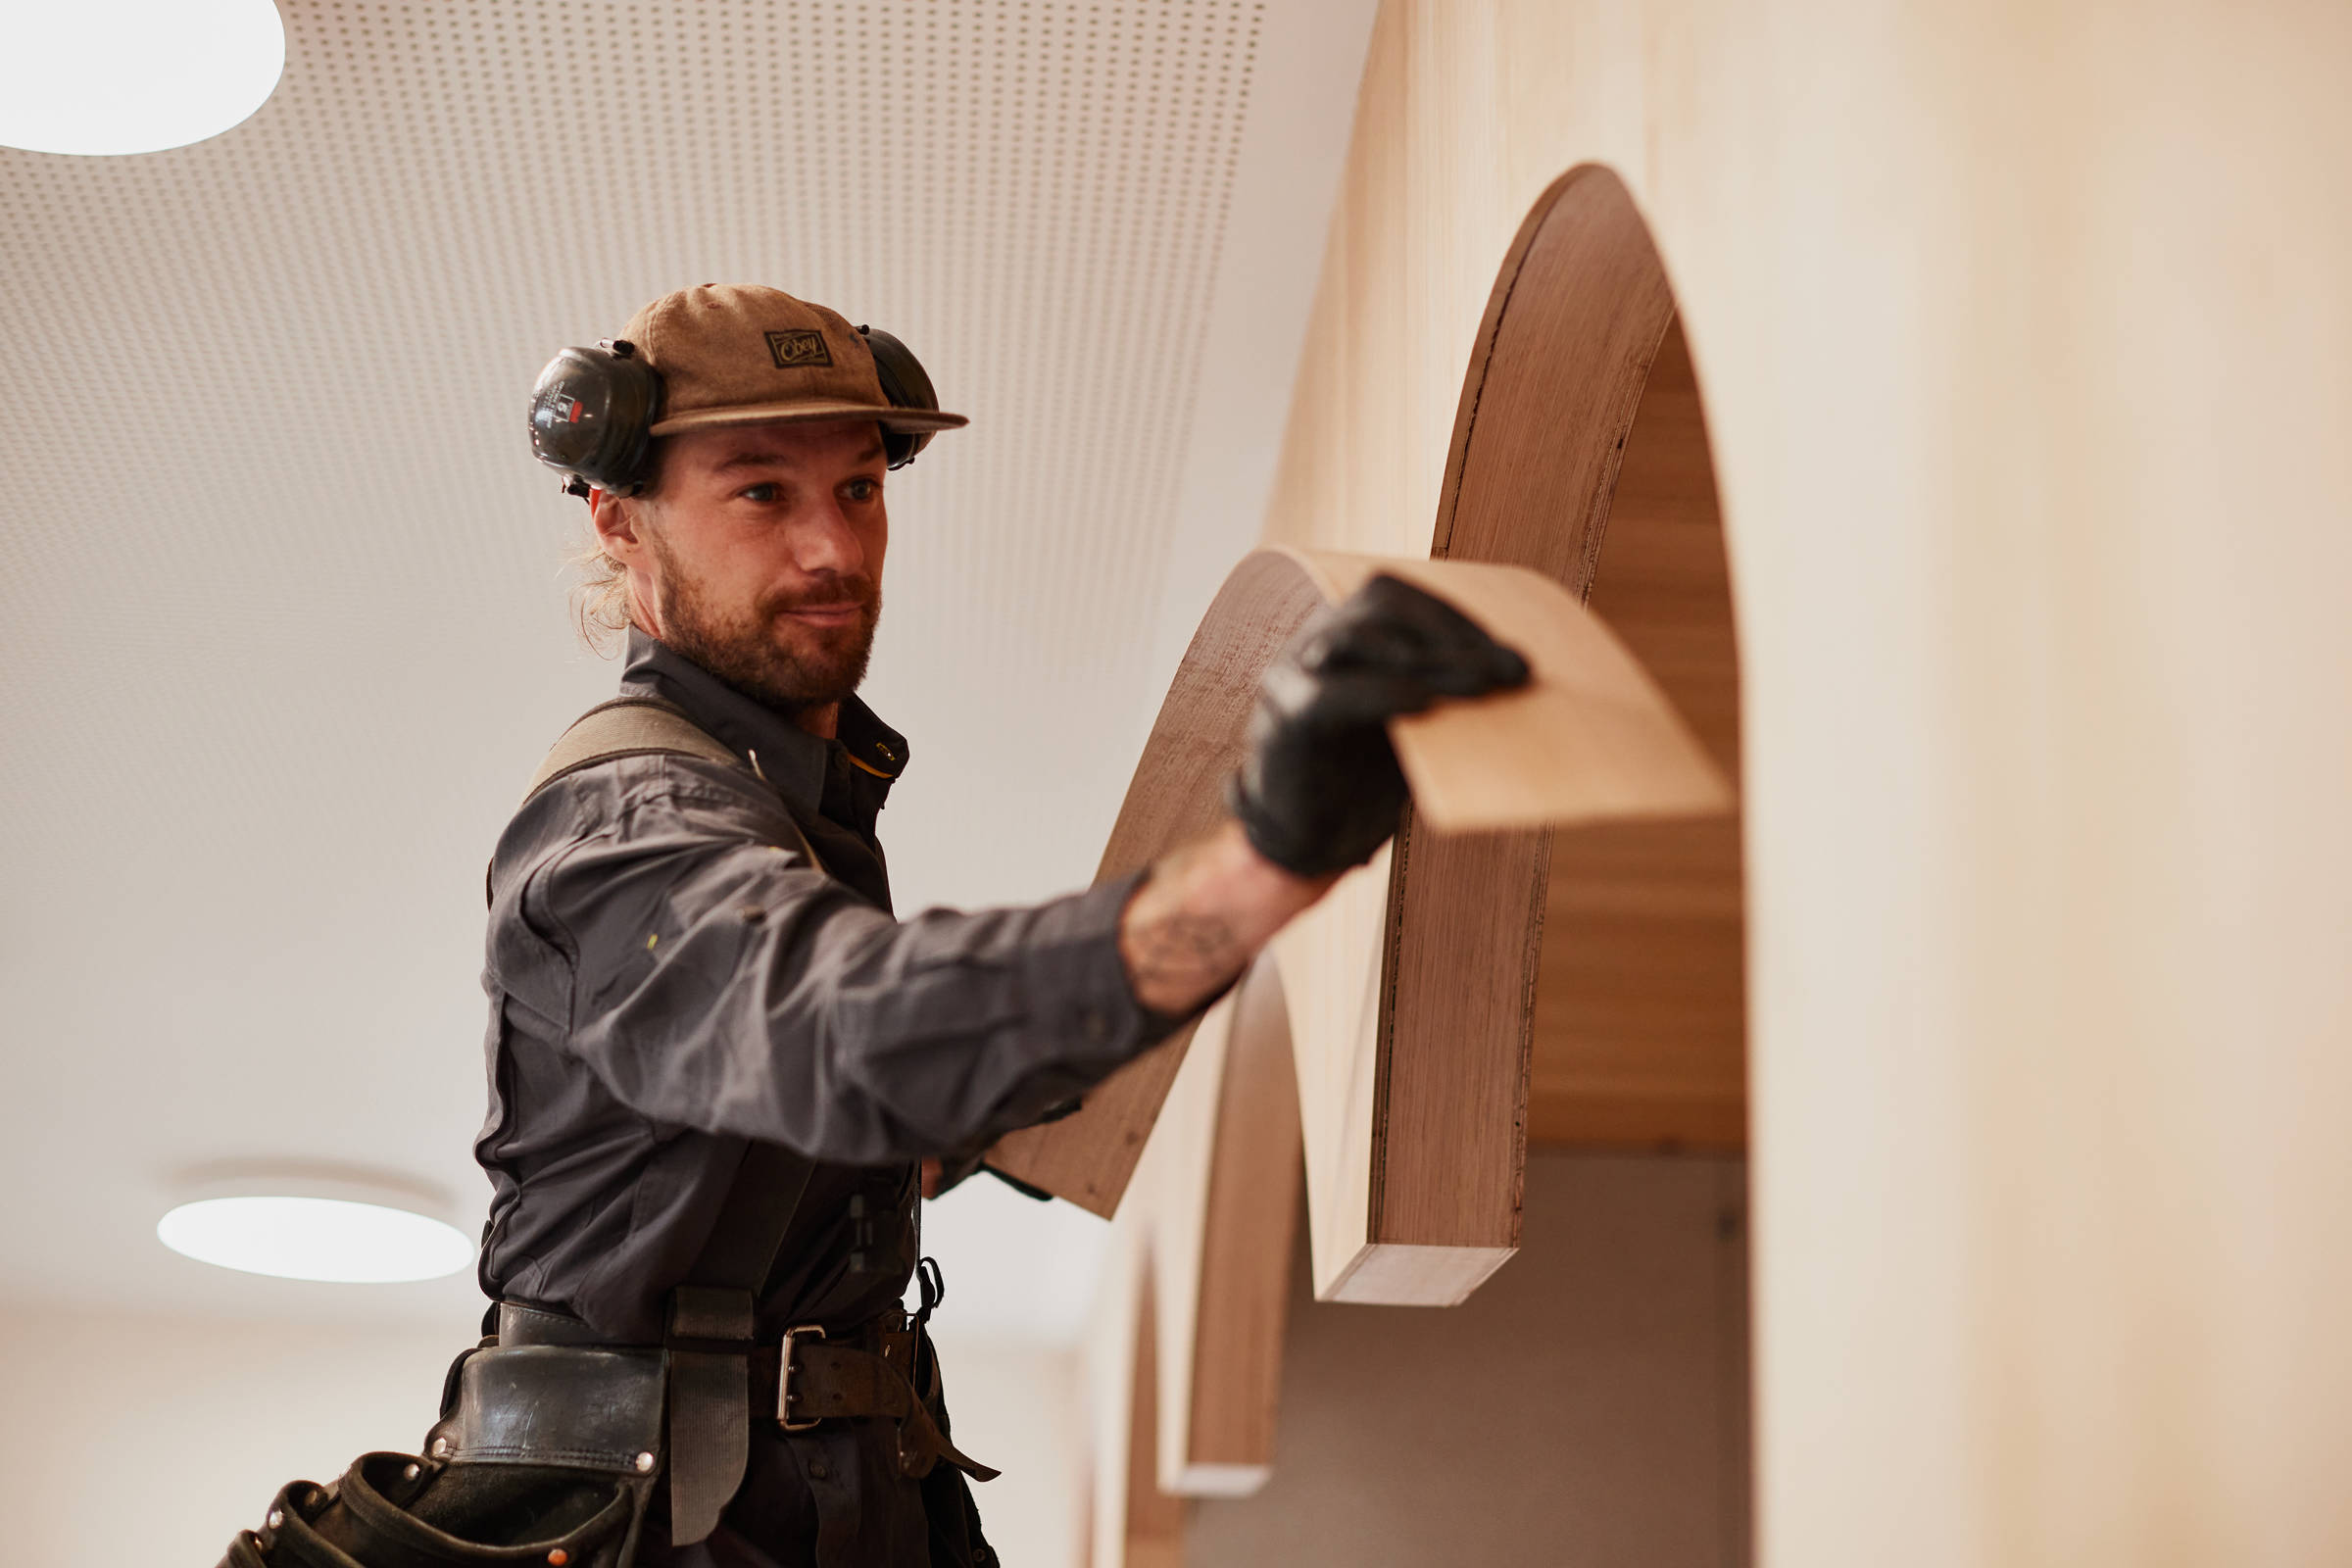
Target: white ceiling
{"points": [[283, 608]]}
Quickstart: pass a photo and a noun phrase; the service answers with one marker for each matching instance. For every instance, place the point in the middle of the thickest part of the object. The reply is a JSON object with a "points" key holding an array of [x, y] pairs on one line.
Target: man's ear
{"points": [[615, 523]]}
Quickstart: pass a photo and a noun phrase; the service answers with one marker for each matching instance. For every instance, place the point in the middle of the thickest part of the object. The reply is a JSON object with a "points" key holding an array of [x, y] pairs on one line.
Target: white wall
{"points": [[143, 1438], [1017, 1406], [133, 1438]]}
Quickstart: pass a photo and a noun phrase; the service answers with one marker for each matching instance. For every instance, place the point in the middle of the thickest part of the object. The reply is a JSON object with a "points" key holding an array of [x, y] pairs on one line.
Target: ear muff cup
{"points": [[592, 417], [908, 386]]}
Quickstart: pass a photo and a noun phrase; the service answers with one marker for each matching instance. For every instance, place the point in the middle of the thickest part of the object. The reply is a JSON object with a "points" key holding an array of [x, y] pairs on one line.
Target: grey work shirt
{"points": [[670, 978]]}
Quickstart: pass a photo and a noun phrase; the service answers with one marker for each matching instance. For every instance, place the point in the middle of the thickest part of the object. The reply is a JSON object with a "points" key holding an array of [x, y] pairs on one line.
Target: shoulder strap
{"points": [[629, 726], [638, 726]]}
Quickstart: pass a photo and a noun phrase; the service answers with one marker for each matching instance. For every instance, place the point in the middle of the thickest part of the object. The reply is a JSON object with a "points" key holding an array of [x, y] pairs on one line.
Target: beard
{"points": [[760, 651]]}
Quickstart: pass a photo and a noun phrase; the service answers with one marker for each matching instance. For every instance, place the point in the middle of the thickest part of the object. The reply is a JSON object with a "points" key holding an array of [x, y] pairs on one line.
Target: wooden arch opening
{"points": [[1582, 407], [1470, 993]]}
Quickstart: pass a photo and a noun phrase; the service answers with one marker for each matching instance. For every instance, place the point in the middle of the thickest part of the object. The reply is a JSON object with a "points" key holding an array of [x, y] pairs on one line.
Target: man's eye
{"points": [[761, 494], [861, 489]]}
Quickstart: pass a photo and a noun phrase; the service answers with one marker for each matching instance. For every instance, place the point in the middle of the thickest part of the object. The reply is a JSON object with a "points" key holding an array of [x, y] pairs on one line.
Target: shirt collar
{"points": [[791, 759]]}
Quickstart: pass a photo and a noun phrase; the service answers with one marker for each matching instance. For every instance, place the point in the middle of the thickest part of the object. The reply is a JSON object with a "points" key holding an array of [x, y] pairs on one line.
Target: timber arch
{"points": [[1580, 985]]}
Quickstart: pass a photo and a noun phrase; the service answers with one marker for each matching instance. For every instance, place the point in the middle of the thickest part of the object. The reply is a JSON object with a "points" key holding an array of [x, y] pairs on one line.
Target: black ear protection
{"points": [[593, 410], [908, 386], [592, 417]]}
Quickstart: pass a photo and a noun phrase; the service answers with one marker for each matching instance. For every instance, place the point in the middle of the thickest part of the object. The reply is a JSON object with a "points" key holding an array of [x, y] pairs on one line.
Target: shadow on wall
{"points": [[1589, 1405]]}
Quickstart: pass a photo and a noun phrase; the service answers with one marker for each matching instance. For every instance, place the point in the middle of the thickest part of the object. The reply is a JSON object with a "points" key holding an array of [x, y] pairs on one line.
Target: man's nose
{"points": [[825, 542]]}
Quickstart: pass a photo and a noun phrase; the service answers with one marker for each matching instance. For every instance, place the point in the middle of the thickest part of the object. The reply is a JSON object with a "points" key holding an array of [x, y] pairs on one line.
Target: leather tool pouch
{"points": [[547, 1457]]}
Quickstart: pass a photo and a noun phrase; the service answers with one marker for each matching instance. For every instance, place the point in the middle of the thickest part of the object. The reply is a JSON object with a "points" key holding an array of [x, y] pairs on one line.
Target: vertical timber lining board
{"points": [[1565, 348], [1641, 1010]]}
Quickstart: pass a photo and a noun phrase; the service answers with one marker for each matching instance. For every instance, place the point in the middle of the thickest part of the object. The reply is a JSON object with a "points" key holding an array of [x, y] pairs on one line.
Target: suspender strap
{"points": [[635, 726], [710, 1396], [629, 726], [710, 1391], [751, 1227]]}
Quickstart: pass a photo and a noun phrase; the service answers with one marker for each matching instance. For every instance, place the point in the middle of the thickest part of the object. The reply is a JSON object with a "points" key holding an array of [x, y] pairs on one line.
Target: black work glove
{"points": [[1320, 789]]}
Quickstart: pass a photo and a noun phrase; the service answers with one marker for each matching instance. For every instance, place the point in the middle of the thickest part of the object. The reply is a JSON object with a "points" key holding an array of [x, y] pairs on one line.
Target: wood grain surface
{"points": [[1591, 736], [1642, 1006], [1564, 348]]}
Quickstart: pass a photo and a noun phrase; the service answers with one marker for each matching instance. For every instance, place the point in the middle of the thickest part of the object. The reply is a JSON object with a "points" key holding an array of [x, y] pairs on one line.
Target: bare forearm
{"points": [[1203, 914]]}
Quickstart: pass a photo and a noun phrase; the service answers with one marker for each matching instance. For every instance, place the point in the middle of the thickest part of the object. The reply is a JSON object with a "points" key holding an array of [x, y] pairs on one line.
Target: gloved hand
{"points": [[1320, 789]]}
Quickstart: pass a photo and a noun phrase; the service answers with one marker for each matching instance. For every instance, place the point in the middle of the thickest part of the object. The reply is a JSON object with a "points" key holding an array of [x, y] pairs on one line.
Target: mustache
{"points": [[826, 591]]}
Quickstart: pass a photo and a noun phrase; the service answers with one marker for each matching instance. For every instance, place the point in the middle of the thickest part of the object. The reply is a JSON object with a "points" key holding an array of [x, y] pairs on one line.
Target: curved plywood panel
{"points": [[1221, 1214], [1233, 1364], [1563, 352], [1154, 1519], [1178, 794], [1415, 985], [1590, 737]]}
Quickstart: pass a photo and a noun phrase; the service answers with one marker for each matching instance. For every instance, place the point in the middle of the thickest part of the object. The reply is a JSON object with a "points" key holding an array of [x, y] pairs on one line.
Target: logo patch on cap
{"points": [[797, 349]]}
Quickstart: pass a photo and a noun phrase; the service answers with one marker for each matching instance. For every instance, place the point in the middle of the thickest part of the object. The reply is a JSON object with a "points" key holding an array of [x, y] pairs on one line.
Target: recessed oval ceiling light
{"points": [[315, 1238], [116, 76]]}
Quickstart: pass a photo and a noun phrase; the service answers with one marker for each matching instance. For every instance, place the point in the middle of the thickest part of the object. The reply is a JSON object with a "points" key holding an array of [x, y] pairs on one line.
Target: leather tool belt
{"points": [[802, 1381]]}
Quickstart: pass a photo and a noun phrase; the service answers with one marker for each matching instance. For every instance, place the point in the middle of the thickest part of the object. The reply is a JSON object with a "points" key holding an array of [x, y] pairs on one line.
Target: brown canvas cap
{"points": [[738, 354]]}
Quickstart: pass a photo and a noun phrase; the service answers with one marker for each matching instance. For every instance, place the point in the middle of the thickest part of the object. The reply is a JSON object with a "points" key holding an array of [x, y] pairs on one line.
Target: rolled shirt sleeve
{"points": [[718, 981]]}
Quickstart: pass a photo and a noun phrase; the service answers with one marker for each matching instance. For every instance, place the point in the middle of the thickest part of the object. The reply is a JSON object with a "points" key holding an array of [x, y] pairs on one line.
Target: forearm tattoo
{"points": [[1181, 953], [1183, 937], [1203, 915]]}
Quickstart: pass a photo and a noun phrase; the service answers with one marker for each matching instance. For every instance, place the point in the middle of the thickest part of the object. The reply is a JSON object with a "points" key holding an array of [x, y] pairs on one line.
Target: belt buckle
{"points": [[784, 1394]]}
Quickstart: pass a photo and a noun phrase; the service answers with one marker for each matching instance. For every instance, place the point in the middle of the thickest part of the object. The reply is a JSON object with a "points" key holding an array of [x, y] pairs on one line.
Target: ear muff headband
{"points": [[592, 412]]}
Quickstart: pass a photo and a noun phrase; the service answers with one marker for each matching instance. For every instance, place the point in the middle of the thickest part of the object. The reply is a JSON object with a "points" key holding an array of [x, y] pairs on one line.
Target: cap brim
{"points": [[907, 421]]}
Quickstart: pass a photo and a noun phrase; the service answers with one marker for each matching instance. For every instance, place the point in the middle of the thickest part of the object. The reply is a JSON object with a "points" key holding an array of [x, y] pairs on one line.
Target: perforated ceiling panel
{"points": [[284, 603]]}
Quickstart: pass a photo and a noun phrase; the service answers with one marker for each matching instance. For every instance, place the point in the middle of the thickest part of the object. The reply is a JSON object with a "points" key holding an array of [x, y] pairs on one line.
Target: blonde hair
{"points": [[600, 598]]}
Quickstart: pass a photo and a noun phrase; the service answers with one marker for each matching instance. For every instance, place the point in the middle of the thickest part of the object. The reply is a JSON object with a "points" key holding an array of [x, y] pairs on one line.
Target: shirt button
{"points": [[817, 1470]]}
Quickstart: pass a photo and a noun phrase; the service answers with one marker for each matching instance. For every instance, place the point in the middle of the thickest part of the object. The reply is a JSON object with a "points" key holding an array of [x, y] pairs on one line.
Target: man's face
{"points": [[757, 553]]}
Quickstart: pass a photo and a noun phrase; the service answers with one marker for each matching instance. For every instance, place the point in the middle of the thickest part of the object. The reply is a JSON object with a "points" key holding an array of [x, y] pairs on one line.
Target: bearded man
{"points": [[722, 1072]]}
